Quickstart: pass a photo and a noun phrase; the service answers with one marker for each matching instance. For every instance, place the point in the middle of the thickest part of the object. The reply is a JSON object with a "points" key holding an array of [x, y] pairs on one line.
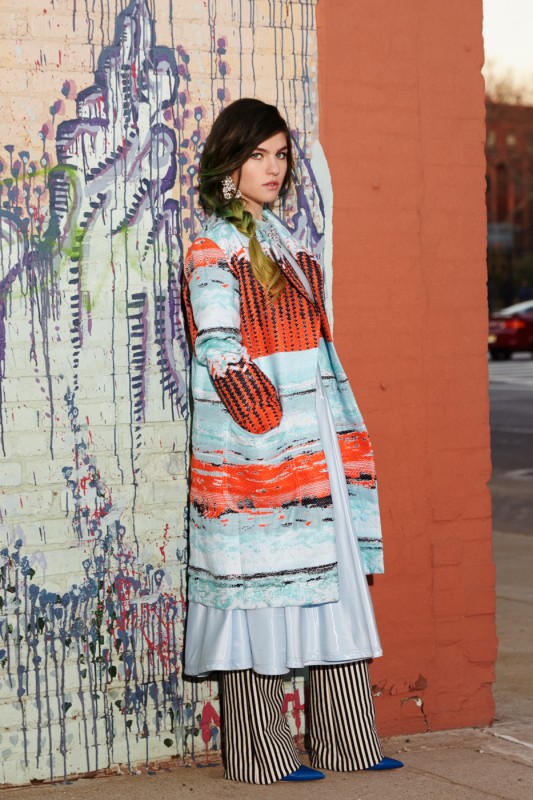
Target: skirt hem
{"points": [[264, 669]]}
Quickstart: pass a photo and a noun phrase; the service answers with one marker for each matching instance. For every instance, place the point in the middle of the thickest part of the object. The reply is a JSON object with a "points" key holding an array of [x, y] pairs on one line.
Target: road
{"points": [[511, 422]]}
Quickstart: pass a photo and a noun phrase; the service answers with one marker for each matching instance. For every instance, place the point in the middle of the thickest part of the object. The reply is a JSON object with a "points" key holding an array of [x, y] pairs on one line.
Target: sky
{"points": [[508, 34]]}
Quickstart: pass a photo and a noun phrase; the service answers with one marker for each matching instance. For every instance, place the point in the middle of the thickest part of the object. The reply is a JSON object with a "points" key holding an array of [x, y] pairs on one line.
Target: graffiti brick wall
{"points": [[104, 110], [402, 125]]}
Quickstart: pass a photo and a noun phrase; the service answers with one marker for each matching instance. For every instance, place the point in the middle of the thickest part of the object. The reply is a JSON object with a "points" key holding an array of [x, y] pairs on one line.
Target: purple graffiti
{"points": [[94, 403]]}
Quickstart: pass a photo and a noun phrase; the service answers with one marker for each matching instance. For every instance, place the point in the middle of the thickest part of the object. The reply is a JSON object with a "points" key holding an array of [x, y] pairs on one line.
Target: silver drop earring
{"points": [[229, 190]]}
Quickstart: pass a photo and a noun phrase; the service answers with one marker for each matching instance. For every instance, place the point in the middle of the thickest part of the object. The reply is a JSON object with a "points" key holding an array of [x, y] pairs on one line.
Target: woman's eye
{"points": [[257, 156], [282, 155]]}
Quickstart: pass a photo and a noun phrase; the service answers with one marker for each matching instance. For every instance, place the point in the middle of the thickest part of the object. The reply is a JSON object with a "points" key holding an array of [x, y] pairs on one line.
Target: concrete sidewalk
{"points": [[467, 764]]}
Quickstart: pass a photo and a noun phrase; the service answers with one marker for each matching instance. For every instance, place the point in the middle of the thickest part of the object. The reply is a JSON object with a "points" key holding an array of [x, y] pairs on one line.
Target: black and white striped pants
{"points": [[257, 743]]}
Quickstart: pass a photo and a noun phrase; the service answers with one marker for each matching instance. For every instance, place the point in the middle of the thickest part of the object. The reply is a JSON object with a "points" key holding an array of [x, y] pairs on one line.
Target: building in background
{"points": [[509, 152]]}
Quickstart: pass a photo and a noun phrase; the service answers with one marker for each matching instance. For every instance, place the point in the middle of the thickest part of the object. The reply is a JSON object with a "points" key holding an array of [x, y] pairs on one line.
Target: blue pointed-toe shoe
{"points": [[304, 773], [387, 763]]}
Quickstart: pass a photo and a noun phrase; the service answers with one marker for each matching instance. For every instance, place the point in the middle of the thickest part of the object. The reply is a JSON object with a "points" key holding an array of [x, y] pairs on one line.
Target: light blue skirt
{"points": [[274, 640]]}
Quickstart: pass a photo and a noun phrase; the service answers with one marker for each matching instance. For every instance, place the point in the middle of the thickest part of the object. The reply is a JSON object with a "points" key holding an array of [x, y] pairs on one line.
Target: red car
{"points": [[511, 331]]}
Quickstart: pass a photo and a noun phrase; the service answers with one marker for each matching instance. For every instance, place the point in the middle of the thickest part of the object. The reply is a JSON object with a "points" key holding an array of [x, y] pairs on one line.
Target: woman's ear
{"points": [[236, 176]]}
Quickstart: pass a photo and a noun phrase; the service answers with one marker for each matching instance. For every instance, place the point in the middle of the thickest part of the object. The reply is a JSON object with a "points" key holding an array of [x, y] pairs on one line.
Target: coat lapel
{"points": [[274, 236], [314, 276], [278, 238], [290, 274]]}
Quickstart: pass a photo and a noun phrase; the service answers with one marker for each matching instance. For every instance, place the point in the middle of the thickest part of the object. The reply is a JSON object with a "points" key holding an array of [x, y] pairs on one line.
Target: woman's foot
{"points": [[387, 763], [304, 773]]}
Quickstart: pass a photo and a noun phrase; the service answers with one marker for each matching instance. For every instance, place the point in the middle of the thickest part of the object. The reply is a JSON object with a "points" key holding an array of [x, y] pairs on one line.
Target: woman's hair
{"points": [[236, 132]]}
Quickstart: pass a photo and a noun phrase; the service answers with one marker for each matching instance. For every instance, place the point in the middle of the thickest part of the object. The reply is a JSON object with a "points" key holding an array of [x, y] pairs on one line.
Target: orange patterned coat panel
{"points": [[262, 530]]}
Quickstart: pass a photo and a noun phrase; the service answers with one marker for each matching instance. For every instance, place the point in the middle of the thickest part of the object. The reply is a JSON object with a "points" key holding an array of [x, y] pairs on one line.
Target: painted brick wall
{"points": [[104, 110], [402, 125]]}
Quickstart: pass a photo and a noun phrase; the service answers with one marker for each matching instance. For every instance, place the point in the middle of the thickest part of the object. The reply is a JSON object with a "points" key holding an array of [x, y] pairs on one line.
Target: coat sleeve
{"points": [[212, 299]]}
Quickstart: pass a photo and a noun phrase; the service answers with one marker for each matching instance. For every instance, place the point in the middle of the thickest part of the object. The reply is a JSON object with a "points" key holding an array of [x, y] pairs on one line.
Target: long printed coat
{"points": [[262, 531]]}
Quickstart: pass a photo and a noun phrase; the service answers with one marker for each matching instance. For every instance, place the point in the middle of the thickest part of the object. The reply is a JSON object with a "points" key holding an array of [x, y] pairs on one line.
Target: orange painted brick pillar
{"points": [[402, 123]]}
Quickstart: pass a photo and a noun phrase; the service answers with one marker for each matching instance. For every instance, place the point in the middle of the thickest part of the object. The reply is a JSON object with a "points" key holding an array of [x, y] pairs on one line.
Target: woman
{"points": [[282, 474]]}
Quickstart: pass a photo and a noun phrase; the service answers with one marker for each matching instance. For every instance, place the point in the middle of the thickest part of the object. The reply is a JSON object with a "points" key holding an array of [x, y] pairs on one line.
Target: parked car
{"points": [[511, 330]]}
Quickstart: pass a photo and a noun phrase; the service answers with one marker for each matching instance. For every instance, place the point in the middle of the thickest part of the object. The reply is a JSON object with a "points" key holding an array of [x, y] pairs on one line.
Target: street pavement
{"points": [[518, 371], [511, 418], [468, 764]]}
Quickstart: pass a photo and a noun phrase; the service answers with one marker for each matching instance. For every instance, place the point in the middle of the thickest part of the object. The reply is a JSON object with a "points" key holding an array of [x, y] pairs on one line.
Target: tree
{"points": [[503, 86]]}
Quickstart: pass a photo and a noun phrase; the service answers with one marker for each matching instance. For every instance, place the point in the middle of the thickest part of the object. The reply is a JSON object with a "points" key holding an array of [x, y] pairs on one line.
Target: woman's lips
{"points": [[271, 185]]}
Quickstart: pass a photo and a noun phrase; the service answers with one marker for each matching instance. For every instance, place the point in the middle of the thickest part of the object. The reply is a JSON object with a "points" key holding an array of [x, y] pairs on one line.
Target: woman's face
{"points": [[261, 176]]}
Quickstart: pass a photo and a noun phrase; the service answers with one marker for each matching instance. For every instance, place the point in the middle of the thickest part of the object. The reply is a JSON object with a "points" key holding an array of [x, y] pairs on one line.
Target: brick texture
{"points": [[402, 125]]}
